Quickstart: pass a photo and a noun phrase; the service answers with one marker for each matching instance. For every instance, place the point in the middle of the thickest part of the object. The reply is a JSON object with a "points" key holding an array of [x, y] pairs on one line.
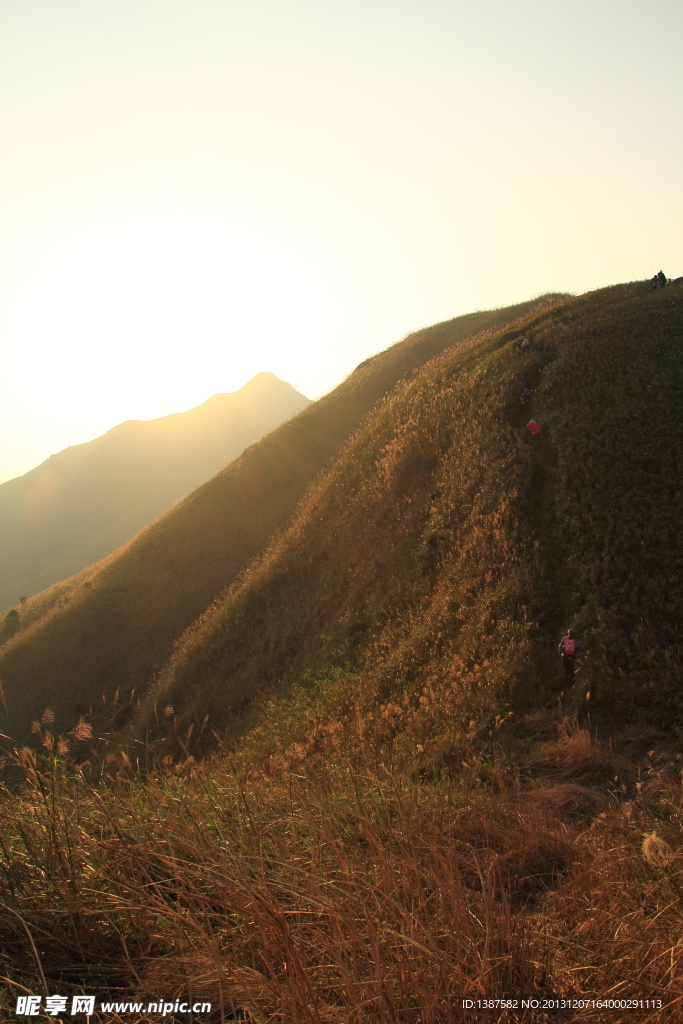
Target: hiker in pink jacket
{"points": [[569, 647]]}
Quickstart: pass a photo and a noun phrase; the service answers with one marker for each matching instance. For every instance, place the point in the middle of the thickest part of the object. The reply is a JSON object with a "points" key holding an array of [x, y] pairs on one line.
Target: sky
{"points": [[193, 191]]}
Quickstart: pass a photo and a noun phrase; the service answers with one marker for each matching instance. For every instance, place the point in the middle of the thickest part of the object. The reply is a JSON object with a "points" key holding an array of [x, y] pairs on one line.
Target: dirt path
{"points": [[518, 416], [558, 613], [556, 568]]}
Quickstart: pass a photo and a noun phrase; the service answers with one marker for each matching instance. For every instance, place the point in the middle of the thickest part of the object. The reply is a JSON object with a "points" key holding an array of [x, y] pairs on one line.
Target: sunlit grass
{"points": [[406, 808], [441, 543], [114, 625], [342, 891]]}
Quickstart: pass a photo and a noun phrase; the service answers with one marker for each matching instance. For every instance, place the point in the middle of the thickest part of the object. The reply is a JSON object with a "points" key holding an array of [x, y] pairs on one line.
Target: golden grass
{"points": [[340, 894], [397, 825], [576, 755], [115, 624], [435, 564]]}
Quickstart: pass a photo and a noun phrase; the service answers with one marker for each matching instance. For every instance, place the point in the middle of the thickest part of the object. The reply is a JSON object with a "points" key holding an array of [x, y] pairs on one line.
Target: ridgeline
{"points": [[88, 500], [446, 549], [111, 628], [352, 784]]}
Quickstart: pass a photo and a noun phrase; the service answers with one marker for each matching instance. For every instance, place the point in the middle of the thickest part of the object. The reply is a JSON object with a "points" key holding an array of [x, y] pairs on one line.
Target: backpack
{"points": [[570, 646]]}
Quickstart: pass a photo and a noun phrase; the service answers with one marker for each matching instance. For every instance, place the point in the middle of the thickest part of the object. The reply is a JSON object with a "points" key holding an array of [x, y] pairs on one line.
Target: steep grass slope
{"points": [[430, 573], [86, 501], [113, 626], [384, 843]]}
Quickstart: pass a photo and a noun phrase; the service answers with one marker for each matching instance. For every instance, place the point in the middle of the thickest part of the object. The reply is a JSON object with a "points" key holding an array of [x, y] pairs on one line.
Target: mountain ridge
{"points": [[446, 534], [357, 784], [87, 500], [112, 627]]}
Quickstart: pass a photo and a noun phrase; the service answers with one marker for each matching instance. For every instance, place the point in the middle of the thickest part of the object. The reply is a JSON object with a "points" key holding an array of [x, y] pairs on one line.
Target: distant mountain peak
{"points": [[95, 496], [266, 379]]}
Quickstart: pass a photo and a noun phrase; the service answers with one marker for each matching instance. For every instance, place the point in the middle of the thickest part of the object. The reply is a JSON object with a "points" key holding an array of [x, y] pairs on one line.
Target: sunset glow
{"points": [[197, 192]]}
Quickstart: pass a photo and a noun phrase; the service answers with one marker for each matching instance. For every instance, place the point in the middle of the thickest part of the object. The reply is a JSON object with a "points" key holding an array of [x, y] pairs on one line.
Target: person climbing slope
{"points": [[568, 649], [534, 427]]}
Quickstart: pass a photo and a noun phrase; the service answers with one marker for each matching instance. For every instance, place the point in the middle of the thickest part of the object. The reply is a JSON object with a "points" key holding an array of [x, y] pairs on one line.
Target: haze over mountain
{"points": [[84, 502], [358, 621], [400, 525], [114, 625]]}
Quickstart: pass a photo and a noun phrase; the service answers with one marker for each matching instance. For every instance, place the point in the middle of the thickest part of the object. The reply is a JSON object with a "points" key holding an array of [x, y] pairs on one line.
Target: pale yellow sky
{"points": [[196, 190]]}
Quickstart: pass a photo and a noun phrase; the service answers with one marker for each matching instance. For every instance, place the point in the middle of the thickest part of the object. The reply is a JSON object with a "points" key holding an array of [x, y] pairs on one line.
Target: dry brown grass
{"points": [[569, 801], [339, 895], [575, 754], [115, 623], [379, 847]]}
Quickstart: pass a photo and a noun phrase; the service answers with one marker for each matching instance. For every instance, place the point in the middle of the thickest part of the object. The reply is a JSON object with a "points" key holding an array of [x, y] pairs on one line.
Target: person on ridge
{"points": [[661, 279], [568, 649]]}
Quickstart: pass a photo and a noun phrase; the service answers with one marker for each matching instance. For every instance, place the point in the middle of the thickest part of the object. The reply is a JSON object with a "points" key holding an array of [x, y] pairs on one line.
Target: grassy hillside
{"points": [[432, 570], [112, 627], [84, 502], [403, 815], [351, 891]]}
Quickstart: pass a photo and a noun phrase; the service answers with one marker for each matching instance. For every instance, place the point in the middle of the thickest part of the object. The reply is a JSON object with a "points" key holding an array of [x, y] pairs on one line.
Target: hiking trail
{"points": [[560, 611]]}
